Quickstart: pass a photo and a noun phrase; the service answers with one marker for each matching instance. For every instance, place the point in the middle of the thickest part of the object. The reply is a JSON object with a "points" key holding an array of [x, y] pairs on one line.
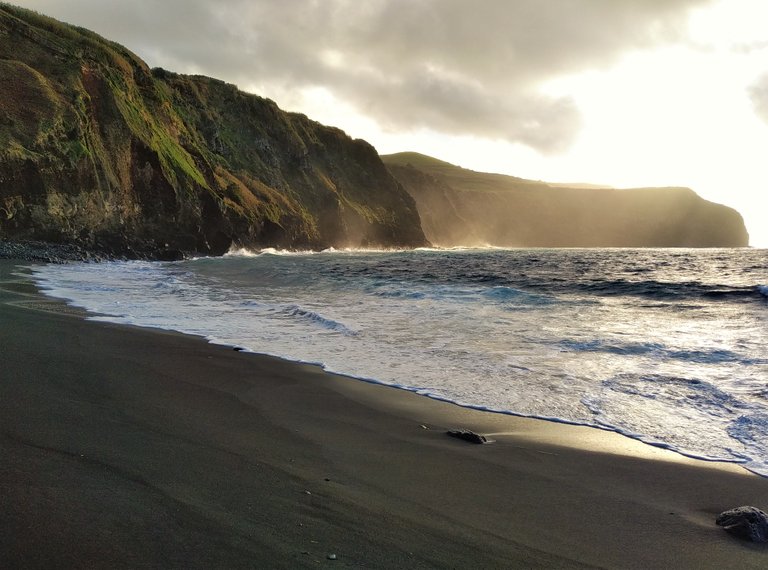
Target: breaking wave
{"points": [[665, 346]]}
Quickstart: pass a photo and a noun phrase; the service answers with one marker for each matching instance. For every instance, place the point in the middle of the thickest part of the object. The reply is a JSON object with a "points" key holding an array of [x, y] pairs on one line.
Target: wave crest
{"points": [[317, 319]]}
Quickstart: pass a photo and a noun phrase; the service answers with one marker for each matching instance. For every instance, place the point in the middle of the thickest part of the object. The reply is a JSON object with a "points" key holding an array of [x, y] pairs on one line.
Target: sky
{"points": [[626, 93]]}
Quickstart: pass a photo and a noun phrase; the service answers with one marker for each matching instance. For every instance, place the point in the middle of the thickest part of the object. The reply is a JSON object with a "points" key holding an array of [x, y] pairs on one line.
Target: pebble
{"points": [[468, 435], [331, 557], [749, 523]]}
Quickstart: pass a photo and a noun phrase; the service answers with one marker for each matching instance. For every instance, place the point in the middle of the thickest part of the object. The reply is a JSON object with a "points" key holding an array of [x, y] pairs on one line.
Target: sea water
{"points": [[668, 346]]}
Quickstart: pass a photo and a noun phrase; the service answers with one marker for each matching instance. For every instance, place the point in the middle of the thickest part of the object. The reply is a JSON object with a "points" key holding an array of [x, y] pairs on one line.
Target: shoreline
{"points": [[130, 446], [725, 452]]}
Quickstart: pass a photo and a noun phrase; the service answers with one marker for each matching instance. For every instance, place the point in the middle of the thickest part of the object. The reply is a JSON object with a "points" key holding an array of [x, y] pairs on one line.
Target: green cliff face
{"points": [[463, 207], [97, 149]]}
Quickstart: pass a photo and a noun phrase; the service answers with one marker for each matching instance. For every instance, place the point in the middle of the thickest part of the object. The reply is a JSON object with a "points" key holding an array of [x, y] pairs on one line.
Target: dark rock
{"points": [[749, 523], [169, 255], [468, 435], [49, 252]]}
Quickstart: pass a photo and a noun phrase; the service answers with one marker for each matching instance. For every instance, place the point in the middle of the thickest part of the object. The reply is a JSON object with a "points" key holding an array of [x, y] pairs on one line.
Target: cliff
{"points": [[463, 207], [99, 151]]}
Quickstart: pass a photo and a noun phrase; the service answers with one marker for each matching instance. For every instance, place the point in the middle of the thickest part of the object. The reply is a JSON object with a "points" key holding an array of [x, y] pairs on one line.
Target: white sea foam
{"points": [[511, 331], [241, 252], [245, 252], [235, 251]]}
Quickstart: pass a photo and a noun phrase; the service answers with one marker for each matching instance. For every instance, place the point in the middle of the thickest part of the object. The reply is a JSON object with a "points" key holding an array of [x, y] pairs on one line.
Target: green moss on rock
{"points": [[97, 149]]}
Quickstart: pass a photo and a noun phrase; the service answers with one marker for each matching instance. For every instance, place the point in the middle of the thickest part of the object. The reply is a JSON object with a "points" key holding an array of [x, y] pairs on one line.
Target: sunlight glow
{"points": [[731, 24], [677, 116], [673, 116]]}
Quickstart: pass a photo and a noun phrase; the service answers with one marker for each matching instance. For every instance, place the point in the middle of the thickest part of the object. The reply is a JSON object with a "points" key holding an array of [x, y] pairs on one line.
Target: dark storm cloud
{"points": [[453, 66], [758, 92]]}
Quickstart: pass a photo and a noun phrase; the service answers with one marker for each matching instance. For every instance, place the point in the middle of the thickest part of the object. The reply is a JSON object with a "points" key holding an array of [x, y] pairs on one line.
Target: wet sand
{"points": [[125, 448]]}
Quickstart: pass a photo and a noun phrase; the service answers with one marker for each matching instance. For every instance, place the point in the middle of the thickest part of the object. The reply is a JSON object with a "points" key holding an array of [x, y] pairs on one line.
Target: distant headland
{"points": [[464, 207]]}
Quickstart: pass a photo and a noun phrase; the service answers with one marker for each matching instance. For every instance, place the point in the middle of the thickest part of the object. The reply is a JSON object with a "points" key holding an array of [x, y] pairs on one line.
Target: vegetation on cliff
{"points": [[463, 207], [100, 151]]}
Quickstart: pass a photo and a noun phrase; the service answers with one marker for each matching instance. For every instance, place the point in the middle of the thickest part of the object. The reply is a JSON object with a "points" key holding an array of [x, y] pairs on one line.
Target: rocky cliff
{"points": [[463, 207], [100, 151]]}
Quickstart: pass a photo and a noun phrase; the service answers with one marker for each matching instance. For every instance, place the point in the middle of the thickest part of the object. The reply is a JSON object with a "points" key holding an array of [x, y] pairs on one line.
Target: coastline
{"points": [[128, 447]]}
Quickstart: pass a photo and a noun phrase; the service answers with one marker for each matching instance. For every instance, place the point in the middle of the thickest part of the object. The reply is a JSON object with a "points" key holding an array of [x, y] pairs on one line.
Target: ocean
{"points": [[667, 346]]}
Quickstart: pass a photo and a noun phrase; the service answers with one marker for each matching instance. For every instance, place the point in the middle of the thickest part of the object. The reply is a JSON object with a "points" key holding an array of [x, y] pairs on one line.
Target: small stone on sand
{"points": [[467, 435], [749, 523]]}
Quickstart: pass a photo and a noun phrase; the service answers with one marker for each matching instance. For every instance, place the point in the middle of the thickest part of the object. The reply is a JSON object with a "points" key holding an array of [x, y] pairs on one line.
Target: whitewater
{"points": [[668, 346]]}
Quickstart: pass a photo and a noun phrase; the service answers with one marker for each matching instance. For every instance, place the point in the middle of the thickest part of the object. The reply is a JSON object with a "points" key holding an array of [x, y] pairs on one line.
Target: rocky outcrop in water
{"points": [[99, 151], [463, 207]]}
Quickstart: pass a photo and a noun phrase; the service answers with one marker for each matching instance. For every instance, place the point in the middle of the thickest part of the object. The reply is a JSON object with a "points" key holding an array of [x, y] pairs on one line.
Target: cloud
{"points": [[758, 92], [451, 66]]}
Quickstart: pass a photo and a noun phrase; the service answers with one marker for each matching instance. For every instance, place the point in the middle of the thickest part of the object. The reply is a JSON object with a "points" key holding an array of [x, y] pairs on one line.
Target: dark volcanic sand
{"points": [[124, 447]]}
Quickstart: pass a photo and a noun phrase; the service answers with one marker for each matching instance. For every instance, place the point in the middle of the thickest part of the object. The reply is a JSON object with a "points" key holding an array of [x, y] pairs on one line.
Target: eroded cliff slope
{"points": [[98, 150], [463, 207]]}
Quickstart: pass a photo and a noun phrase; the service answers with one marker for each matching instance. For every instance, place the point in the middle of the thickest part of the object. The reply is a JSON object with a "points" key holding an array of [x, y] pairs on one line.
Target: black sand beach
{"points": [[133, 448]]}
